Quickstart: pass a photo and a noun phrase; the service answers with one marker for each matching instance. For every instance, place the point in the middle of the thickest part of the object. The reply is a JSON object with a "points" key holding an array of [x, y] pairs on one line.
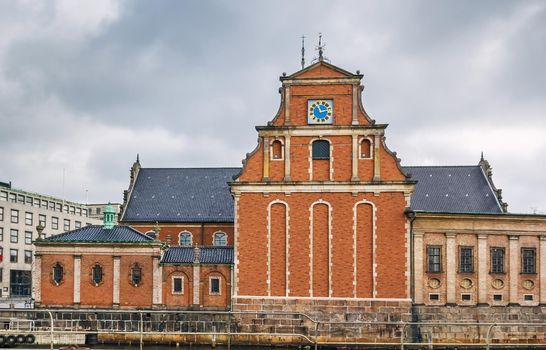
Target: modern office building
{"points": [[96, 210], [20, 213]]}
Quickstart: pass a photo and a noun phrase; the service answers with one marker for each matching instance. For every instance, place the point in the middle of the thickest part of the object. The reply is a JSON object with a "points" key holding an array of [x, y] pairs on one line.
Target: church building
{"points": [[321, 217]]}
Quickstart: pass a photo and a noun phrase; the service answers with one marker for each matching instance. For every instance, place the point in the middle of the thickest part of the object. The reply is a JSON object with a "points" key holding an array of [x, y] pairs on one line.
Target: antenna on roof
{"points": [[481, 158], [302, 51]]}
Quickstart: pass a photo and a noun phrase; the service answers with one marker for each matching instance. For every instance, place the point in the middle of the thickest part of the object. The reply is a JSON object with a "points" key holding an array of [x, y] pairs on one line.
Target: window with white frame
{"points": [[14, 235], [220, 239], [185, 238], [178, 285], [28, 219], [28, 237], [214, 285], [365, 149], [14, 216], [277, 150]]}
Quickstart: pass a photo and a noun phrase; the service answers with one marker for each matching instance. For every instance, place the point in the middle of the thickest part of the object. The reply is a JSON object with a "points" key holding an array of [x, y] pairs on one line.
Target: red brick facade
{"points": [[322, 228]]}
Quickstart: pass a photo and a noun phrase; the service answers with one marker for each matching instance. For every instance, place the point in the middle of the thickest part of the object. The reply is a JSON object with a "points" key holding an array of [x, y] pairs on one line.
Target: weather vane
{"points": [[320, 49]]}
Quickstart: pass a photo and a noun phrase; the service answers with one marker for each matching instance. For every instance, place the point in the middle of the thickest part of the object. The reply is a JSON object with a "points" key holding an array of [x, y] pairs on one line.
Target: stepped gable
{"points": [[181, 195], [453, 189], [207, 255], [99, 234]]}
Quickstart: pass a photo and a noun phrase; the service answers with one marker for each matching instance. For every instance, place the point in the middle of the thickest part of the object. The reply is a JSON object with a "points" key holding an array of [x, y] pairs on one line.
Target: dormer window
{"points": [[185, 238], [220, 239]]}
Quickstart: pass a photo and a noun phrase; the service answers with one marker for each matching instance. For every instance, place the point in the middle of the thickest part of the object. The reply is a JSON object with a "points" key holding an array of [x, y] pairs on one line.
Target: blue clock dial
{"points": [[320, 111]]}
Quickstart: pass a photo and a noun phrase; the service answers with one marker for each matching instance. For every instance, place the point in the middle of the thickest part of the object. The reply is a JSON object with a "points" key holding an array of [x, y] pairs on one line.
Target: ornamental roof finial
{"points": [[320, 47]]}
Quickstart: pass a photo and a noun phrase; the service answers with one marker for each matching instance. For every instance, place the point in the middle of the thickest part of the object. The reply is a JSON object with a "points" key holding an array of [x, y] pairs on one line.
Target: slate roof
{"points": [[208, 255], [98, 234], [181, 195], [455, 189]]}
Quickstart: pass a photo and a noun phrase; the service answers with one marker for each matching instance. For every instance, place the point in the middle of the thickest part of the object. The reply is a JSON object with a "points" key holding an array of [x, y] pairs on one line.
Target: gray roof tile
{"points": [[98, 234], [208, 255], [181, 195], [456, 189]]}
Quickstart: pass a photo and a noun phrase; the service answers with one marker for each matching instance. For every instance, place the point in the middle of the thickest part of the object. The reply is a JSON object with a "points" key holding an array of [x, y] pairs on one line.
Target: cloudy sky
{"points": [[86, 85]]}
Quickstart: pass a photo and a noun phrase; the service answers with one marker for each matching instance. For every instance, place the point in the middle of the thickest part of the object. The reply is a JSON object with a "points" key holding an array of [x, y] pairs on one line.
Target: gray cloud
{"points": [[87, 89]]}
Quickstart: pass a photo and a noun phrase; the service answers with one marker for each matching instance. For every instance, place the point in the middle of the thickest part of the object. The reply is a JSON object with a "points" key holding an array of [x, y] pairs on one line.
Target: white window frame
{"points": [[172, 285], [219, 285], [271, 155], [214, 239], [360, 148], [180, 239]]}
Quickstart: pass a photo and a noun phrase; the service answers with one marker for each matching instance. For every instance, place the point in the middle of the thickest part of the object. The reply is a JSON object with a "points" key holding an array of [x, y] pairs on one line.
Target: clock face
{"points": [[320, 111]]}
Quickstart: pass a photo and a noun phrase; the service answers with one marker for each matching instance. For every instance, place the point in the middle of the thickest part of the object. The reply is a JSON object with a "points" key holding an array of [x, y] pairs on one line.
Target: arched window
{"points": [[276, 150], [151, 234], [185, 238], [96, 274], [220, 238], [136, 275], [365, 149], [321, 149], [58, 273]]}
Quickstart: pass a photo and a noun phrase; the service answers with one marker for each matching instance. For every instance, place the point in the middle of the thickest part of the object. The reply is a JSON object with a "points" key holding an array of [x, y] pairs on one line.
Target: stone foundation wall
{"points": [[325, 320], [528, 324]]}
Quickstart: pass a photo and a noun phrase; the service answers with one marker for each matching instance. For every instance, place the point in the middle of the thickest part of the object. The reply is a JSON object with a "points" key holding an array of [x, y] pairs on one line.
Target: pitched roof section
{"points": [[456, 189], [181, 195], [208, 255], [321, 69], [98, 234]]}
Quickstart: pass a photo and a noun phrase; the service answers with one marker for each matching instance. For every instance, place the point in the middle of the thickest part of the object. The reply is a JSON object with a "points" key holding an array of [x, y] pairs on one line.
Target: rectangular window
{"points": [[72, 210], [79, 211], [1, 213], [13, 255], [3, 196], [54, 223], [1, 235], [28, 219], [466, 297], [13, 197], [466, 260], [497, 297], [178, 285], [58, 207], [528, 260], [29, 201], [52, 206], [44, 204], [65, 209], [28, 257], [66, 225], [42, 220], [14, 235], [77, 224], [37, 202], [434, 254], [14, 216], [214, 285], [434, 297], [497, 260], [528, 297], [28, 237], [21, 199], [84, 212]]}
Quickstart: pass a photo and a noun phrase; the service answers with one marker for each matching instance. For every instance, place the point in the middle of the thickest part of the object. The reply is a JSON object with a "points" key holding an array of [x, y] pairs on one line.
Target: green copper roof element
{"points": [[109, 217]]}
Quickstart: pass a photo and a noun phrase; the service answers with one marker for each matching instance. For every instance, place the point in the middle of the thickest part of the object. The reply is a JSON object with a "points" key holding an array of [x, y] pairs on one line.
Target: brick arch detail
{"points": [[311, 243], [287, 237], [355, 247]]}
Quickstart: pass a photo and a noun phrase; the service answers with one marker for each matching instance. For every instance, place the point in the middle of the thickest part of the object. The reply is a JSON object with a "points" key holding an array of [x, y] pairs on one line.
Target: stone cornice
{"points": [[319, 187]]}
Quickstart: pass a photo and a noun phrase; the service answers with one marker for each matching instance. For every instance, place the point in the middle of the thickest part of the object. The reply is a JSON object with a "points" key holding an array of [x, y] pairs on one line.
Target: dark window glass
{"points": [[215, 285], [28, 257], [178, 284], [321, 149], [96, 274], [497, 297], [42, 220], [528, 297], [136, 275], [54, 223], [497, 260], [466, 297], [13, 255], [20, 283], [14, 216], [434, 259], [529, 260], [466, 260], [58, 273], [434, 297], [28, 237]]}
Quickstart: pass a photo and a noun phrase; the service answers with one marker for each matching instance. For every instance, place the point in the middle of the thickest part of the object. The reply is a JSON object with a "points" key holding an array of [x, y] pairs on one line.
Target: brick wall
{"points": [[202, 234]]}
